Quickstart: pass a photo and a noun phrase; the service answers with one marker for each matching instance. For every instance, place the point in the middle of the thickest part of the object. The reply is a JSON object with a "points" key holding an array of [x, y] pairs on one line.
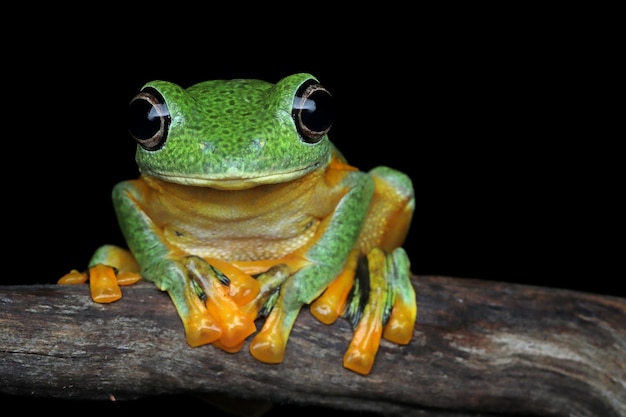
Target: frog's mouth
{"points": [[233, 182]]}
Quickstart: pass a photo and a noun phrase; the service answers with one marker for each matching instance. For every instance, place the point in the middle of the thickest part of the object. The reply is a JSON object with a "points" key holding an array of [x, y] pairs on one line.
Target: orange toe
{"points": [[73, 277], [399, 328], [268, 349], [235, 325], [103, 284], [229, 349], [127, 278], [243, 287], [269, 344], [359, 361], [362, 351], [201, 330]]}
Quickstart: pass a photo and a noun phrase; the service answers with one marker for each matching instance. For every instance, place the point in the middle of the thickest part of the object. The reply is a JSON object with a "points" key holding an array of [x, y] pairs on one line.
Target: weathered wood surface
{"points": [[479, 347]]}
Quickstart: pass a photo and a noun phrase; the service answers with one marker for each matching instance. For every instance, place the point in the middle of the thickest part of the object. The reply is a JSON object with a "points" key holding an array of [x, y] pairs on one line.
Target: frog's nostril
{"points": [[207, 146], [256, 144]]}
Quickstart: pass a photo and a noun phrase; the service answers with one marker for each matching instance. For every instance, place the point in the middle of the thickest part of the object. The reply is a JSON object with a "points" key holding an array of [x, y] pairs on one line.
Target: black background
{"points": [[496, 122]]}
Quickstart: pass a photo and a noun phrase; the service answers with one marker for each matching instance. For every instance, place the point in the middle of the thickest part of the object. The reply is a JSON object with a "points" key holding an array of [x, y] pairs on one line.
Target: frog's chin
{"points": [[233, 182]]}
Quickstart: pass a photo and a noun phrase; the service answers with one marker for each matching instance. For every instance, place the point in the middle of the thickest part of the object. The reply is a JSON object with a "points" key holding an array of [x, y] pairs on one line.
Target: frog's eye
{"points": [[313, 111], [148, 119]]}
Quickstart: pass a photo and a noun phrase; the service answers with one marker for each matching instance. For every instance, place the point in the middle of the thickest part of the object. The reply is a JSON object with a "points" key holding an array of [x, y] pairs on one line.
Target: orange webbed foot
{"points": [[104, 281], [110, 267], [399, 327], [211, 288], [362, 351]]}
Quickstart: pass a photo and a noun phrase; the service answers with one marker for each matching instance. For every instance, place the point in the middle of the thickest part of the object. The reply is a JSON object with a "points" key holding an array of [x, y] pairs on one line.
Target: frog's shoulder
{"points": [[337, 155], [339, 168]]}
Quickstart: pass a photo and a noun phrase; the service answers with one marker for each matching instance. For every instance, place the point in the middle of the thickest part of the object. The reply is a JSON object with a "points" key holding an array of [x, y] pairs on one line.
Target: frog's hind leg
{"points": [[386, 228], [382, 300], [109, 267], [396, 204]]}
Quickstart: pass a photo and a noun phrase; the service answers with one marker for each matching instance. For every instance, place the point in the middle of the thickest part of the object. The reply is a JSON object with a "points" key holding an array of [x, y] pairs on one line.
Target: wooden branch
{"points": [[479, 347]]}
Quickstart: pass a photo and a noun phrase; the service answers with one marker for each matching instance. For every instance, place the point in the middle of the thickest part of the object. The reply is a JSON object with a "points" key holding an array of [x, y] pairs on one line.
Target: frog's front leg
{"points": [[207, 299], [270, 343], [201, 296], [324, 260], [391, 303]]}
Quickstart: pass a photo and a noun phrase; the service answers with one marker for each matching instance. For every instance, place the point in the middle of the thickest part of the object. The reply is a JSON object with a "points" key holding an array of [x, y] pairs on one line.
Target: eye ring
{"points": [[313, 111], [148, 119]]}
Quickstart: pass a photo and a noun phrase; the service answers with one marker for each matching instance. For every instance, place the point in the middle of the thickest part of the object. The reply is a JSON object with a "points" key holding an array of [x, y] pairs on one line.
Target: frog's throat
{"points": [[234, 182]]}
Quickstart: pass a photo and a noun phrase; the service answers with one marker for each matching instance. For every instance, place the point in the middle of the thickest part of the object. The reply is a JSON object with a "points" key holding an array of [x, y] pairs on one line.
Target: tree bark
{"points": [[479, 347]]}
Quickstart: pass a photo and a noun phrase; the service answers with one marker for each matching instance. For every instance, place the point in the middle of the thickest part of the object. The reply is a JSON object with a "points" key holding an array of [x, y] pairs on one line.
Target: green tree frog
{"points": [[244, 209]]}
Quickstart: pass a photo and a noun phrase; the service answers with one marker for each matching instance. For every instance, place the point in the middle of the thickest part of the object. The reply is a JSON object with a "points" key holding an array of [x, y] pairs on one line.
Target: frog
{"points": [[245, 212]]}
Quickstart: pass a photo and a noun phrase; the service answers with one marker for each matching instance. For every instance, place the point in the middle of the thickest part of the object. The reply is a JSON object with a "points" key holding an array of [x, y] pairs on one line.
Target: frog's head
{"points": [[232, 134]]}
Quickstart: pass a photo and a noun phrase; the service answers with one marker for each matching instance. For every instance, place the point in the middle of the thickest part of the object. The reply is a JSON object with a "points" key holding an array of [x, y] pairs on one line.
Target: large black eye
{"points": [[148, 119], [313, 111]]}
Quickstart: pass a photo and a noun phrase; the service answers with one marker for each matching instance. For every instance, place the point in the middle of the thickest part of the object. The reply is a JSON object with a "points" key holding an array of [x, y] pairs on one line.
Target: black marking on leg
{"points": [[200, 273], [192, 259], [269, 304], [390, 297], [388, 307], [359, 293], [197, 288], [223, 279]]}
